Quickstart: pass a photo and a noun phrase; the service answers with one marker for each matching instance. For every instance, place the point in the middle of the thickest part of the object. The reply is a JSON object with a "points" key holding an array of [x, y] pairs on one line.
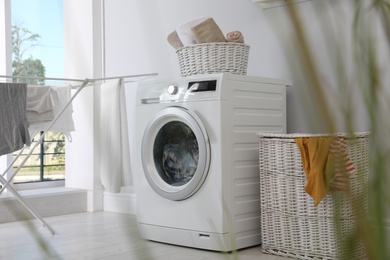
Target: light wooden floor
{"points": [[100, 235]]}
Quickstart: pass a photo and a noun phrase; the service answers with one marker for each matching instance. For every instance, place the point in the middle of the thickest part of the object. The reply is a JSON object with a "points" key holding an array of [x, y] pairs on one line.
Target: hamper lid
{"points": [[299, 135]]}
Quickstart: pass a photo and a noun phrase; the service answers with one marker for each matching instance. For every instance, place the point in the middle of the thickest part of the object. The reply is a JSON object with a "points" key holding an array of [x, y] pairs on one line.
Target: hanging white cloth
{"points": [[39, 104], [115, 170], [60, 97]]}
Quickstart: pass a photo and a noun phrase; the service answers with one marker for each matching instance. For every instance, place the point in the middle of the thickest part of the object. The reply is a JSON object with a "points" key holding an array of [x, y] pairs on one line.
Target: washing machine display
{"points": [[176, 153]]}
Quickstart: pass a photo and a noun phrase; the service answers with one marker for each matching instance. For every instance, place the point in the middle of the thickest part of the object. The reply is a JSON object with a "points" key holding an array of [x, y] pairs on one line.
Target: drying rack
{"points": [[85, 82]]}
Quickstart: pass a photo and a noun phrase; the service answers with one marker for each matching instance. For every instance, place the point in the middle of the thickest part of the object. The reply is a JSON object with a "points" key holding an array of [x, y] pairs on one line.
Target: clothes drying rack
{"points": [[85, 82]]}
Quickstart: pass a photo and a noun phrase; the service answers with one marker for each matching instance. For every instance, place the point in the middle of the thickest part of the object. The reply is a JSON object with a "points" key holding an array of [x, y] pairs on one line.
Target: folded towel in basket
{"points": [[207, 31], [174, 40], [184, 31], [235, 36]]}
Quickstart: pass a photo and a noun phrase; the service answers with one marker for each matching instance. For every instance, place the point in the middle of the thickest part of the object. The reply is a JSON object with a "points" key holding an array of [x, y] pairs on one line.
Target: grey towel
{"points": [[13, 119]]}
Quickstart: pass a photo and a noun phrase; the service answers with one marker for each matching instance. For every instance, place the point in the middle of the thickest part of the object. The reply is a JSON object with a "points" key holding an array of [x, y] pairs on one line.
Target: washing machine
{"points": [[197, 160]]}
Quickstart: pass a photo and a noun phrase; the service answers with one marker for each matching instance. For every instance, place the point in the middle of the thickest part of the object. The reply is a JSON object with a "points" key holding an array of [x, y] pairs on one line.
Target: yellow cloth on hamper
{"points": [[318, 164]]}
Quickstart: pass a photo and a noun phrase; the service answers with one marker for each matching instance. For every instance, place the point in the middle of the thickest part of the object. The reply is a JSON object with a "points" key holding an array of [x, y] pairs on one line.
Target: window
{"points": [[40, 25], [38, 51], [46, 163]]}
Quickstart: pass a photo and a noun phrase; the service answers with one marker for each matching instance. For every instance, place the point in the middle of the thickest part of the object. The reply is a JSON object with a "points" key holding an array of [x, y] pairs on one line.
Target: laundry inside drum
{"points": [[176, 153]]}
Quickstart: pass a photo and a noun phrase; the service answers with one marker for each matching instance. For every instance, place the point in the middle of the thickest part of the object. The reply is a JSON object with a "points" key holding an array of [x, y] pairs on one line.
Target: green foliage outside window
{"points": [[48, 161]]}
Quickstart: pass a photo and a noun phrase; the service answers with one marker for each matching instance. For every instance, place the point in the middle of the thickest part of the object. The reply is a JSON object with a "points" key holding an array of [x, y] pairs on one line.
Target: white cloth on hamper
{"points": [[115, 169], [184, 31], [59, 96]]}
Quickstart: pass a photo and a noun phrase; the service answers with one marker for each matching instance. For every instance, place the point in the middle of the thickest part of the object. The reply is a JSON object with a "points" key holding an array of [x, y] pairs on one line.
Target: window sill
{"points": [[48, 202], [39, 185], [42, 192], [265, 4]]}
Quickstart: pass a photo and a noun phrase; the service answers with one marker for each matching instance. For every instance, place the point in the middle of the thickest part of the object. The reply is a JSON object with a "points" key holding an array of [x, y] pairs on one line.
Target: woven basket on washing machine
{"points": [[209, 58]]}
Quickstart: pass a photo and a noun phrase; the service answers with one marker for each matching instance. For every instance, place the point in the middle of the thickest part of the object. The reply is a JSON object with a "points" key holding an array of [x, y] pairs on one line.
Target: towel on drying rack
{"points": [[39, 105], [115, 168], [60, 97], [13, 118]]}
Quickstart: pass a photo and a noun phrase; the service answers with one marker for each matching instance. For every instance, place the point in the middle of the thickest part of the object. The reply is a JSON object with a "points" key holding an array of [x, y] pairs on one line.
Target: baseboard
{"points": [[46, 202], [122, 202]]}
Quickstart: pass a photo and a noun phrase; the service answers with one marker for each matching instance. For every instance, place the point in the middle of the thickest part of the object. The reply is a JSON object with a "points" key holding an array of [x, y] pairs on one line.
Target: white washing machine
{"points": [[196, 170]]}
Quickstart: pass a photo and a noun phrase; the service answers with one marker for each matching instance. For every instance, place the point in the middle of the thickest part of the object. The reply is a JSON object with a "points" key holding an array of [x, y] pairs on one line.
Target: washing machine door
{"points": [[175, 153]]}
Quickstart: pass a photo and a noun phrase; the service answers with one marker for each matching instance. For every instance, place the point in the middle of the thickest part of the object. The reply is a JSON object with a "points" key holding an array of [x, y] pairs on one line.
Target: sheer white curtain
{"points": [[115, 170]]}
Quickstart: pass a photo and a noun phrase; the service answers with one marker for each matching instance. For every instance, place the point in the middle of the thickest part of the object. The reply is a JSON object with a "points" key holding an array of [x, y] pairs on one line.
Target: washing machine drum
{"points": [[175, 153]]}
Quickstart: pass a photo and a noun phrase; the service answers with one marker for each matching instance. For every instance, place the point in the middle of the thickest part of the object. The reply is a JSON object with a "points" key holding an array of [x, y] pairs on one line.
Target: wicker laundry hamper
{"points": [[209, 58], [290, 223]]}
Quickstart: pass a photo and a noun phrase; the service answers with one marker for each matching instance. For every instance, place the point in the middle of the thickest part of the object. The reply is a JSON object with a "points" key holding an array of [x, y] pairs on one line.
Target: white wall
{"points": [[83, 59], [136, 33]]}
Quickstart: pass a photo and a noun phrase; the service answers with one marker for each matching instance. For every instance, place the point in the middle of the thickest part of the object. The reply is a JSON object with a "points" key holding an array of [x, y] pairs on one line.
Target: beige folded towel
{"points": [[207, 31], [174, 40], [184, 30], [235, 36]]}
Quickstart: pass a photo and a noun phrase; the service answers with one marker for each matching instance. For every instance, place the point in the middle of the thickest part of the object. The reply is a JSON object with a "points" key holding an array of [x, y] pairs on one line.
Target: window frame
{"points": [[41, 157], [6, 69]]}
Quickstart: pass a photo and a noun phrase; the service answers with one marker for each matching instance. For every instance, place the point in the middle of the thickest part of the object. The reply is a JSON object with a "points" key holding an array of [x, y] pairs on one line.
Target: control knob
{"points": [[172, 90]]}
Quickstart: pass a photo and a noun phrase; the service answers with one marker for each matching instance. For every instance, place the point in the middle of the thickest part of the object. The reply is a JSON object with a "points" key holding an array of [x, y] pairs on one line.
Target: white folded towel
{"points": [[184, 31]]}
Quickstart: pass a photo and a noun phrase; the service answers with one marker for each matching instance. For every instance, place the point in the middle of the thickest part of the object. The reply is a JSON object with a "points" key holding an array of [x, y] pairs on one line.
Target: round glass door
{"points": [[175, 153]]}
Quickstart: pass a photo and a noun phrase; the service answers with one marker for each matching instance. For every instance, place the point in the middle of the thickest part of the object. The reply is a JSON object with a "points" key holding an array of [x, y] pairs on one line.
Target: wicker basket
{"points": [[290, 223], [208, 58]]}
